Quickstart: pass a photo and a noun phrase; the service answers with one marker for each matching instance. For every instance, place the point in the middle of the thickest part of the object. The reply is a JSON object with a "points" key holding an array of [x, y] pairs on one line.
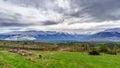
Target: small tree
{"points": [[115, 48], [87, 47]]}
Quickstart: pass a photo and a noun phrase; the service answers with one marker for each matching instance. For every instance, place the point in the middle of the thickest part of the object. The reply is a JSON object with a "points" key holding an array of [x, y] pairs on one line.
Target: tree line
{"points": [[90, 48]]}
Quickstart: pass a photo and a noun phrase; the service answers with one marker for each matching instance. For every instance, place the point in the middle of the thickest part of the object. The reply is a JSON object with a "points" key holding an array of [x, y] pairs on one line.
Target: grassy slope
{"points": [[58, 60]]}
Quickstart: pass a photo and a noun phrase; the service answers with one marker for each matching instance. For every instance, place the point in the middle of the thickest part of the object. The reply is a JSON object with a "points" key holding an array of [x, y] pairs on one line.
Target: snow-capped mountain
{"points": [[41, 36], [112, 35], [52, 36], [105, 36]]}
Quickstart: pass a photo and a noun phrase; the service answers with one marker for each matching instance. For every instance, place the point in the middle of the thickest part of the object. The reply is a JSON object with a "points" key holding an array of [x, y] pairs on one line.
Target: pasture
{"points": [[58, 59]]}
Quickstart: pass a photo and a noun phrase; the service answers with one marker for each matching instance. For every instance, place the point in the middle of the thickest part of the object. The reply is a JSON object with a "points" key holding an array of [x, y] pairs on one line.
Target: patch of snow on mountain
{"points": [[20, 38]]}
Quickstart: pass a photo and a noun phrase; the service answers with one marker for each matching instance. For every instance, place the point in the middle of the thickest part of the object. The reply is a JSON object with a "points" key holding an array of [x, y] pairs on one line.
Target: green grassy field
{"points": [[58, 60]]}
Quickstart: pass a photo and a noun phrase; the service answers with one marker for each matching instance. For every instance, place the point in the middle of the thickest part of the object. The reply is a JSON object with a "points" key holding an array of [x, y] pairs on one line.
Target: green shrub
{"points": [[94, 53]]}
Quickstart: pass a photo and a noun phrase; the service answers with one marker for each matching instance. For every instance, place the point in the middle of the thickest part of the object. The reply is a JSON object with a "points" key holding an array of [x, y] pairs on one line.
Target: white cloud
{"points": [[82, 28], [69, 16]]}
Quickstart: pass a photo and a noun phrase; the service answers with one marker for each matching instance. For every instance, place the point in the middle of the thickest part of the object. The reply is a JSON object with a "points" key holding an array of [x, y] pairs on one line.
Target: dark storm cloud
{"points": [[13, 24], [97, 9], [100, 10], [10, 20], [49, 22], [31, 3]]}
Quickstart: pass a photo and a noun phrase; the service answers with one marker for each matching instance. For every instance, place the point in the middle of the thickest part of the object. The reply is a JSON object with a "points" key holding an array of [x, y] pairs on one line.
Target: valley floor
{"points": [[58, 60]]}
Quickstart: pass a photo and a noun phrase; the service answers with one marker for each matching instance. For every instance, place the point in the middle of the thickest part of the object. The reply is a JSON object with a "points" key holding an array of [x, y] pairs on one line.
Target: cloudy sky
{"points": [[72, 16]]}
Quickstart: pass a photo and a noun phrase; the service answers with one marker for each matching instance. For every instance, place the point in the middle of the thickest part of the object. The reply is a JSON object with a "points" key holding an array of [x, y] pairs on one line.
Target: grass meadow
{"points": [[58, 59]]}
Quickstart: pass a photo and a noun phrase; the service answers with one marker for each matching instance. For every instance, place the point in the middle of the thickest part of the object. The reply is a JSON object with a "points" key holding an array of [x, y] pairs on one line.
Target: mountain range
{"points": [[109, 35]]}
